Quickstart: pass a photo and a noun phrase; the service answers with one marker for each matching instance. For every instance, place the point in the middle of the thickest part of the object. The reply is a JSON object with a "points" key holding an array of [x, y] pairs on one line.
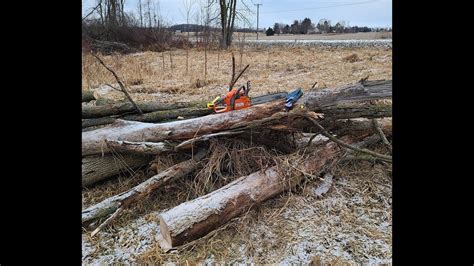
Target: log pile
{"points": [[98, 115], [326, 125]]}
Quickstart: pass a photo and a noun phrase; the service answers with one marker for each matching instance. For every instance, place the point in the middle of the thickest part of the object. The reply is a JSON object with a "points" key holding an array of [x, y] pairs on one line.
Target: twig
{"points": [[232, 84], [108, 221], [122, 86], [233, 72], [382, 135], [92, 11], [314, 85], [331, 137]]}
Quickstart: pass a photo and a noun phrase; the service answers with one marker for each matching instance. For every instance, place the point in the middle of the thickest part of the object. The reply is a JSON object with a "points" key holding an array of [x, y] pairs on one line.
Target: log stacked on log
{"points": [[330, 112], [153, 112]]}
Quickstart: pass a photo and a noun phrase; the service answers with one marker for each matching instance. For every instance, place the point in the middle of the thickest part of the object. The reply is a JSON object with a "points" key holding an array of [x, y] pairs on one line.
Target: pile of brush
{"points": [[254, 154]]}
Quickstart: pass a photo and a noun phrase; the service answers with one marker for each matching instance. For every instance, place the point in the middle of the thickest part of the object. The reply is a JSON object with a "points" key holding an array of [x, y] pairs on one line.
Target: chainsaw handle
{"points": [[234, 97]]}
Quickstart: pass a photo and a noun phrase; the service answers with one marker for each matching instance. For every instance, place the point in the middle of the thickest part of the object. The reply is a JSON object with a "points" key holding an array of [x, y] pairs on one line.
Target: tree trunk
{"points": [[111, 204], [151, 148], [97, 168], [177, 130], [194, 219], [152, 117], [187, 129], [317, 100], [126, 107], [97, 121]]}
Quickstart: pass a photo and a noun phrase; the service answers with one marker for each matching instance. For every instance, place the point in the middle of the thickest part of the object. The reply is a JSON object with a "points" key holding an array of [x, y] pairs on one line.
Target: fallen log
{"points": [[186, 129], [357, 110], [196, 218], [87, 96], [93, 122], [345, 111], [98, 168], [127, 107], [151, 148], [151, 117], [110, 205], [317, 100]]}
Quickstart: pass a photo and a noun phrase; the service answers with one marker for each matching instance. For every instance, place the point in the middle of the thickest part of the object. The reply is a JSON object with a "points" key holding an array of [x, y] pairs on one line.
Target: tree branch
{"points": [[122, 86], [331, 137], [382, 135]]}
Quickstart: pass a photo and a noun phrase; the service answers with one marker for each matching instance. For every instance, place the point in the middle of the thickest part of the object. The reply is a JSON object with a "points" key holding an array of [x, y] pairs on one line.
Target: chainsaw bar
{"points": [[268, 98]]}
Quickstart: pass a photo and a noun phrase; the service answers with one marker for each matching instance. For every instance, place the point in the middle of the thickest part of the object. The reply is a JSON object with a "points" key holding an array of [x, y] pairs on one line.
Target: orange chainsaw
{"points": [[235, 99]]}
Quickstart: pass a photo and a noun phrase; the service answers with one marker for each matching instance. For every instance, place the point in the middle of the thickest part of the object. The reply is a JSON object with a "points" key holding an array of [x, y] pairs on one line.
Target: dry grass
{"points": [[275, 69], [351, 58]]}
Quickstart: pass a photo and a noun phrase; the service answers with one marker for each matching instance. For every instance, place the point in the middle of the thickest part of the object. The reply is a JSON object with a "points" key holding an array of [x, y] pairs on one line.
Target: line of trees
{"points": [[306, 26]]}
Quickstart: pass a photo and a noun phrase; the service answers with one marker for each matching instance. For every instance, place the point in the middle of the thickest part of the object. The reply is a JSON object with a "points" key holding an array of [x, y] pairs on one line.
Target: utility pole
{"points": [[258, 5]]}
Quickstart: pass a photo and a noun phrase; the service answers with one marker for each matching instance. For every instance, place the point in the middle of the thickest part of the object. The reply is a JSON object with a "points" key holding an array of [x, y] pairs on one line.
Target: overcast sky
{"points": [[371, 13]]}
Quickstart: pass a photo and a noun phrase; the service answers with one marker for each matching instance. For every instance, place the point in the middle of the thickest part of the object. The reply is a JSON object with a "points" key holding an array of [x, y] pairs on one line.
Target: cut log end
{"points": [[165, 239]]}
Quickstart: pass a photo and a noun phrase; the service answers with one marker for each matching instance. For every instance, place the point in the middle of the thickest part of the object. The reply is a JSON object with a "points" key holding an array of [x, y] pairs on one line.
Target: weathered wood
{"points": [[155, 116], [151, 148], [357, 110], [177, 130], [186, 129], [188, 144], [97, 168], [317, 100], [111, 204], [311, 117], [87, 96], [196, 218], [354, 126], [92, 122], [127, 107]]}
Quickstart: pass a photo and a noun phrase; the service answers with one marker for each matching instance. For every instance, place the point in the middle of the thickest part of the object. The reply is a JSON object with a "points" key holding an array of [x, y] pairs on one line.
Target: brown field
{"points": [[274, 69], [351, 223]]}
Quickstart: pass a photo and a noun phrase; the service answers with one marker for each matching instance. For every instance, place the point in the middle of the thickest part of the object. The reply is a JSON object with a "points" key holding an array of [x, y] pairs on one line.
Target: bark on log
{"points": [[111, 204], [317, 100], [186, 129], [169, 114], [87, 96], [151, 148], [127, 107], [97, 168], [177, 130], [97, 121], [151, 117], [351, 110], [194, 219]]}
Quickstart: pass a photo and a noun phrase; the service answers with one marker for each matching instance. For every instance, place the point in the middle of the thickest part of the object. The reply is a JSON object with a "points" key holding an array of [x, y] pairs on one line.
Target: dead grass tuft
{"points": [[229, 159], [351, 58]]}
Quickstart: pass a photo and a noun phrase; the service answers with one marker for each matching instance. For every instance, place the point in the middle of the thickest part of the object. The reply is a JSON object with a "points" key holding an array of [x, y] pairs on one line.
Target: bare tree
{"points": [[228, 13], [188, 8], [148, 12], [140, 13]]}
